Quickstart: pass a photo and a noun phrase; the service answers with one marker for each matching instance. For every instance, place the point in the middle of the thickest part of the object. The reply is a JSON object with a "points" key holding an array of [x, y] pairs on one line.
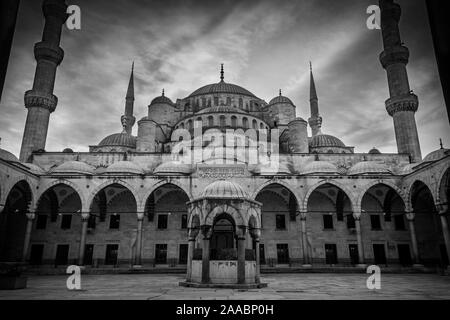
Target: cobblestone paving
{"points": [[281, 286]]}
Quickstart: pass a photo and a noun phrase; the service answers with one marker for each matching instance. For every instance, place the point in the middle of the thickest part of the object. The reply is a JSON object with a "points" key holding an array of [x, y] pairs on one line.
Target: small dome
{"points": [[224, 189], [221, 109], [35, 169], [173, 167], [161, 100], [374, 151], [280, 99], [316, 167], [124, 167], [73, 167], [67, 150], [325, 140], [122, 139], [436, 155], [369, 167], [8, 156]]}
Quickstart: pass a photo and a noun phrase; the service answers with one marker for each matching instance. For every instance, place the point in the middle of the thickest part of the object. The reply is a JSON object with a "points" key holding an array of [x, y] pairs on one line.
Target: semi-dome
{"points": [[325, 140], [374, 151], [122, 139], [173, 167], [369, 167], [221, 87], [224, 189], [436, 155], [280, 99], [67, 150], [8, 156], [319, 167], [124, 167], [35, 169], [221, 109], [73, 167]]}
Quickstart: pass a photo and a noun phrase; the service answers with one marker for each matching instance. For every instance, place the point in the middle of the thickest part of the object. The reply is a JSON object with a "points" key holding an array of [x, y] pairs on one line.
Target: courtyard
{"points": [[280, 286]]}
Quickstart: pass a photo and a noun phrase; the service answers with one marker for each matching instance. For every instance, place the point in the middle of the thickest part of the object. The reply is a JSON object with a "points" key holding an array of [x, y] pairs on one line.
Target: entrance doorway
{"points": [[404, 255], [223, 242], [353, 251]]}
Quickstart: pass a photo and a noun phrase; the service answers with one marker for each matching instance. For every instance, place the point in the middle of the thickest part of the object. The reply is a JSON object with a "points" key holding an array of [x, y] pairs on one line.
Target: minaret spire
{"points": [[40, 100], [128, 119], [221, 73], [315, 122], [402, 103]]}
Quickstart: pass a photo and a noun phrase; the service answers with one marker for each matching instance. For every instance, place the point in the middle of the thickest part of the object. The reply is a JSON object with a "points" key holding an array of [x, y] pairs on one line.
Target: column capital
{"points": [[356, 215], [206, 232], [31, 215], [442, 208], [85, 216], [140, 216], [302, 214], [410, 215]]}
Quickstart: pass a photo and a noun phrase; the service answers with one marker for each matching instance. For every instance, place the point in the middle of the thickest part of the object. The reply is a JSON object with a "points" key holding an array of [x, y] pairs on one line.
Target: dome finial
{"points": [[163, 92], [280, 92], [221, 73], [441, 144]]}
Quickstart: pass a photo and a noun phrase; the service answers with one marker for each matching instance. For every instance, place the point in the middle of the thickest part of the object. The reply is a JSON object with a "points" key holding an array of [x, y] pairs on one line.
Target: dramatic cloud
{"points": [[265, 45]]}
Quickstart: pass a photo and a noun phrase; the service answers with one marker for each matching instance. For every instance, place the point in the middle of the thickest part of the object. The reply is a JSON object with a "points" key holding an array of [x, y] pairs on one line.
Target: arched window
{"points": [[216, 101], [189, 125], [241, 103], [254, 124], [228, 101], [203, 102], [209, 102], [245, 122], [210, 121], [261, 126], [182, 125], [223, 121], [233, 121]]}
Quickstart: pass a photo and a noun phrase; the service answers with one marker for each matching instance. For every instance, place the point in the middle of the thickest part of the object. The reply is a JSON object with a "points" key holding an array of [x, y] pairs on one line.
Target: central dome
{"points": [[221, 109], [223, 189], [221, 87]]}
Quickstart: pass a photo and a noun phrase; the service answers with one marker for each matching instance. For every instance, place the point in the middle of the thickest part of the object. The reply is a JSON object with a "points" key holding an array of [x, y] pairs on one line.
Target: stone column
{"points": [[306, 258], [412, 230], [84, 225], [256, 235], [138, 253], [241, 255], [206, 232], [443, 211], [193, 232], [357, 217], [26, 243]]}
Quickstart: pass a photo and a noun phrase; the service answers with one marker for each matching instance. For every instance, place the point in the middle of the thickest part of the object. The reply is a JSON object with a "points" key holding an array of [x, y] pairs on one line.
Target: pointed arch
{"points": [[227, 209], [282, 184], [110, 182], [157, 185], [53, 183], [338, 185], [388, 184]]}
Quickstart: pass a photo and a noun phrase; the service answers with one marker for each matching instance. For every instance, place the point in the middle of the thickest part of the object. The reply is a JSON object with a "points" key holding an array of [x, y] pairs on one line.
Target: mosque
{"points": [[133, 201]]}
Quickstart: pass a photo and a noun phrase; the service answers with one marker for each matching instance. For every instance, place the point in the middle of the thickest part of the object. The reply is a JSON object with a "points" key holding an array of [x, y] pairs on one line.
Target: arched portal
{"points": [[13, 222], [223, 242], [329, 221], [112, 211], [428, 228], [167, 215], [386, 232], [278, 214], [58, 212]]}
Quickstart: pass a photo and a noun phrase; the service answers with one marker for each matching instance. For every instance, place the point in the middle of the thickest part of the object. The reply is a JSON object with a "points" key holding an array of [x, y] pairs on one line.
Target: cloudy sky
{"points": [[265, 46]]}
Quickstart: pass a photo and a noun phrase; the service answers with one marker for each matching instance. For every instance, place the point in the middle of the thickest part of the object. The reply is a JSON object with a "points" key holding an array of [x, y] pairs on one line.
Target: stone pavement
{"points": [[281, 286]]}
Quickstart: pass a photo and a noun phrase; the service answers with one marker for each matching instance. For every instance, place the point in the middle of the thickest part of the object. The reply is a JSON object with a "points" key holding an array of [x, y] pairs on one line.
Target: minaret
{"points": [[40, 100], [128, 119], [315, 122], [402, 104]]}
